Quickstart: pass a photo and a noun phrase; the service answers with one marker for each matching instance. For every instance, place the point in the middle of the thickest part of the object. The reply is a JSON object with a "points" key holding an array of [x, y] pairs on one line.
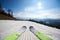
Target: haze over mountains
{"points": [[47, 21]]}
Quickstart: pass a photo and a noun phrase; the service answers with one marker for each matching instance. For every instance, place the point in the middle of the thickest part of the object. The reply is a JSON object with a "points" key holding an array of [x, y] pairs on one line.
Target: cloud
{"points": [[38, 6], [36, 12], [29, 9], [52, 13], [49, 15]]}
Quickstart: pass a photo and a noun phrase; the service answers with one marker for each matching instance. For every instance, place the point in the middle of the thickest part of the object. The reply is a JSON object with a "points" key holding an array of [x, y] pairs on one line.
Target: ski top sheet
{"points": [[12, 36], [39, 34], [15, 35]]}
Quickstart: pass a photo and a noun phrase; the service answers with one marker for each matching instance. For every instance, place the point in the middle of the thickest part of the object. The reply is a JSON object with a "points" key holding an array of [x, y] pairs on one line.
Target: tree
{"points": [[10, 12]]}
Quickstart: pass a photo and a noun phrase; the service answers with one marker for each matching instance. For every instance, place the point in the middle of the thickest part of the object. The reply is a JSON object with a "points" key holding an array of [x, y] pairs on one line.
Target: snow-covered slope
{"points": [[9, 26]]}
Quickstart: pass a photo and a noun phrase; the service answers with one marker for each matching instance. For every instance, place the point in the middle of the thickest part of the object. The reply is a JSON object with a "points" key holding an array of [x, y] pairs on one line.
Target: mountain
{"points": [[48, 22]]}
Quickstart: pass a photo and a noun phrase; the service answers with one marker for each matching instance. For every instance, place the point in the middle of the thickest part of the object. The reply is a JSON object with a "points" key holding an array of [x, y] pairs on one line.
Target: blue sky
{"points": [[33, 8]]}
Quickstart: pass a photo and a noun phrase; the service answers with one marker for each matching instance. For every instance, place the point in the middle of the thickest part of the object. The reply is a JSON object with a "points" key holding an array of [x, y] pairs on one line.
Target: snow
{"points": [[9, 26]]}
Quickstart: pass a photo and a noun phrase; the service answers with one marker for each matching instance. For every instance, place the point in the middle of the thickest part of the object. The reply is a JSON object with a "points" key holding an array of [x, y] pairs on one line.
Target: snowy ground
{"points": [[9, 26]]}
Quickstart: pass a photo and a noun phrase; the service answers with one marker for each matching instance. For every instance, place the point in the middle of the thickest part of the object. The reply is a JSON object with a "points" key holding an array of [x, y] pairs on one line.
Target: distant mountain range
{"points": [[49, 22]]}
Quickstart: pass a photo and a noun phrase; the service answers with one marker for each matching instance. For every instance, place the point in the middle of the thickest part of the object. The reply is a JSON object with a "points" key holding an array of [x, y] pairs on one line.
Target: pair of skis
{"points": [[38, 34]]}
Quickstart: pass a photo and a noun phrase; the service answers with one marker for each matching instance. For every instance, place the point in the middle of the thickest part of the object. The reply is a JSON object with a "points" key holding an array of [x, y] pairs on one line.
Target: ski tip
{"points": [[24, 27], [31, 27]]}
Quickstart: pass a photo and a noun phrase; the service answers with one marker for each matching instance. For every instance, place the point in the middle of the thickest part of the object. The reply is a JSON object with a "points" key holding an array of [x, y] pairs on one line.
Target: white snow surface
{"points": [[9, 26]]}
